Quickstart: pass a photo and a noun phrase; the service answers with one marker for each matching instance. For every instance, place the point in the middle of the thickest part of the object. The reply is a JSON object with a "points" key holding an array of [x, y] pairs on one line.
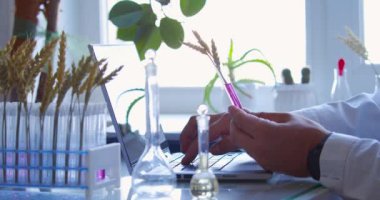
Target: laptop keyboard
{"points": [[215, 162]]}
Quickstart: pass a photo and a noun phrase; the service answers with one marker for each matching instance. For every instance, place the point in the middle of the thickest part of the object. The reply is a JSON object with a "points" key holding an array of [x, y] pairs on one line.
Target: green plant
{"points": [[132, 104], [231, 66], [137, 22]]}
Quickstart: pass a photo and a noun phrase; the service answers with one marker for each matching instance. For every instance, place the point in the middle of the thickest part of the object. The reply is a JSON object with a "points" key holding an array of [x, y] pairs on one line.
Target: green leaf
{"points": [[125, 14], [172, 32], [163, 2], [127, 34], [128, 91], [248, 52], [238, 88], [250, 81], [207, 93], [191, 7], [147, 37], [133, 103], [245, 81], [231, 51], [148, 18], [264, 62]]}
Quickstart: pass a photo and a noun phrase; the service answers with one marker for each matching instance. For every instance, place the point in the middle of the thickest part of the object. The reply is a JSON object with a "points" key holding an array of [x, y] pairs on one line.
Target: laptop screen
{"points": [[131, 76]]}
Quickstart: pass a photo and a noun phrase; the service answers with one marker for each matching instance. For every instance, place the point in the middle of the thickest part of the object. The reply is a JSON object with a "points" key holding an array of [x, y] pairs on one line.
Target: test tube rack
{"points": [[99, 169]]}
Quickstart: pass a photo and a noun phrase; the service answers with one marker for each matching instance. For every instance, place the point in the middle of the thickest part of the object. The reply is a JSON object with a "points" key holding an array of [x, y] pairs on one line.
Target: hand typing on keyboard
{"points": [[218, 131]]}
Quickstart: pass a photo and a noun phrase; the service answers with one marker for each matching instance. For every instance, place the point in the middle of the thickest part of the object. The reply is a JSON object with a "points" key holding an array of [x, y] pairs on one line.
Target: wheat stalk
{"points": [[63, 84], [94, 79], [357, 46], [5, 83], [203, 48]]}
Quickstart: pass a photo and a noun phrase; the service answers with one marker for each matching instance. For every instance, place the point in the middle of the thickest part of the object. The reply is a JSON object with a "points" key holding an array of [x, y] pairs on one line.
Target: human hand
{"points": [[279, 142], [219, 128]]}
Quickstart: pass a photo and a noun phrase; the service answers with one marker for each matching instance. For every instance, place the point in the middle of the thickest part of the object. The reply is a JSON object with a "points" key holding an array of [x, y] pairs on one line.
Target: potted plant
{"points": [[137, 22], [231, 65]]}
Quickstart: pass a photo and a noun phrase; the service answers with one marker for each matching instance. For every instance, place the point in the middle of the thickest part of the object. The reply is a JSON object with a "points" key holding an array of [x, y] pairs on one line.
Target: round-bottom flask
{"points": [[203, 184]]}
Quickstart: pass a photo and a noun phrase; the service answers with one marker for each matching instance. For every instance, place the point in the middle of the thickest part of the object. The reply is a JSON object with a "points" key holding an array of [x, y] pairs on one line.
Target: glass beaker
{"points": [[152, 177]]}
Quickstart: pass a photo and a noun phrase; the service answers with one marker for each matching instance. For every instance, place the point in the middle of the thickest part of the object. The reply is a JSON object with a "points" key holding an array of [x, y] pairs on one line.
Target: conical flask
{"points": [[340, 89], [152, 177]]}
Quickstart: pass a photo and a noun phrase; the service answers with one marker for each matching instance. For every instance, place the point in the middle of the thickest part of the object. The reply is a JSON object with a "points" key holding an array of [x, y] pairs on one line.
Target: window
{"points": [[277, 28], [371, 29]]}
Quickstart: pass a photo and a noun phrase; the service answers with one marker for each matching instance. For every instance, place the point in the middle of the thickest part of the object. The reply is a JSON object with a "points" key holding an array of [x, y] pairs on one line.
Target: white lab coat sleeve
{"points": [[351, 166], [358, 116], [350, 162]]}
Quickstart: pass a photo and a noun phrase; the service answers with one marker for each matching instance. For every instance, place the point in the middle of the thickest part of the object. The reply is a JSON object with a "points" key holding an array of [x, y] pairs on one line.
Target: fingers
{"points": [[191, 153], [244, 121], [192, 150], [224, 146], [219, 127], [276, 117], [240, 138], [188, 139], [188, 134]]}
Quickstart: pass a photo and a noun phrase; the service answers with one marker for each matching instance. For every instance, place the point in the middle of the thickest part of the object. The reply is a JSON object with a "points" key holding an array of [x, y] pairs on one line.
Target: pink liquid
{"points": [[232, 95], [100, 174]]}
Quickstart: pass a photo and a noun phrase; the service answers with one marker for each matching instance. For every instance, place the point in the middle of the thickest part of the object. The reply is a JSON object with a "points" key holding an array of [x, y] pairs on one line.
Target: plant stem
{"points": [[68, 138], [81, 137], [17, 138], [55, 140], [27, 137], [41, 145], [4, 134]]}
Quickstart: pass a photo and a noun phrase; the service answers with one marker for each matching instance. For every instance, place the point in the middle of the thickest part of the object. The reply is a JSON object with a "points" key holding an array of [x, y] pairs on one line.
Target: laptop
{"points": [[230, 166]]}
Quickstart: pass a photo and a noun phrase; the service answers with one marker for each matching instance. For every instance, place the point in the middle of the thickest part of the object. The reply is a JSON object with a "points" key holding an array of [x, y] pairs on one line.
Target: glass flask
{"points": [[203, 184], [377, 83], [152, 177], [340, 89]]}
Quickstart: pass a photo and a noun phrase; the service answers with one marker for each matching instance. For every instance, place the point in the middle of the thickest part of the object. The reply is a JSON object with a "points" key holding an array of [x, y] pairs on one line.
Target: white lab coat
{"points": [[350, 158]]}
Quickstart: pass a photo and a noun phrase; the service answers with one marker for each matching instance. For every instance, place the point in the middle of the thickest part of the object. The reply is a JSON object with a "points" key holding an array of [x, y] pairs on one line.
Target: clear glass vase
{"points": [[152, 177], [340, 90]]}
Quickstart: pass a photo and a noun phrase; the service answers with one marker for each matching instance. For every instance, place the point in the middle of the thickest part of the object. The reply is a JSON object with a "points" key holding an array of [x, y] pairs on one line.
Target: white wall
{"points": [[6, 20]]}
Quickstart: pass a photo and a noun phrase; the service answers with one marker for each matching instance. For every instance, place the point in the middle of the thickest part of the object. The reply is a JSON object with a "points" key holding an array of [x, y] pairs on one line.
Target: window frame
{"points": [[325, 21]]}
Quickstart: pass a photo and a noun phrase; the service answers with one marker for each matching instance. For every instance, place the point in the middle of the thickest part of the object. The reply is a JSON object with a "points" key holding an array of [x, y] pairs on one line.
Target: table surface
{"points": [[279, 187]]}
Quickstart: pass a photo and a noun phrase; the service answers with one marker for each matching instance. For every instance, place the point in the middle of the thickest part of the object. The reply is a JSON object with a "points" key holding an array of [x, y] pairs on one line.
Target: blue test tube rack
{"points": [[99, 170]]}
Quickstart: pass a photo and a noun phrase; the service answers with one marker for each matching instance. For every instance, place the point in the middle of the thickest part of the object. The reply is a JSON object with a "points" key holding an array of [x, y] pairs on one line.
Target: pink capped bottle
{"points": [[340, 89]]}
